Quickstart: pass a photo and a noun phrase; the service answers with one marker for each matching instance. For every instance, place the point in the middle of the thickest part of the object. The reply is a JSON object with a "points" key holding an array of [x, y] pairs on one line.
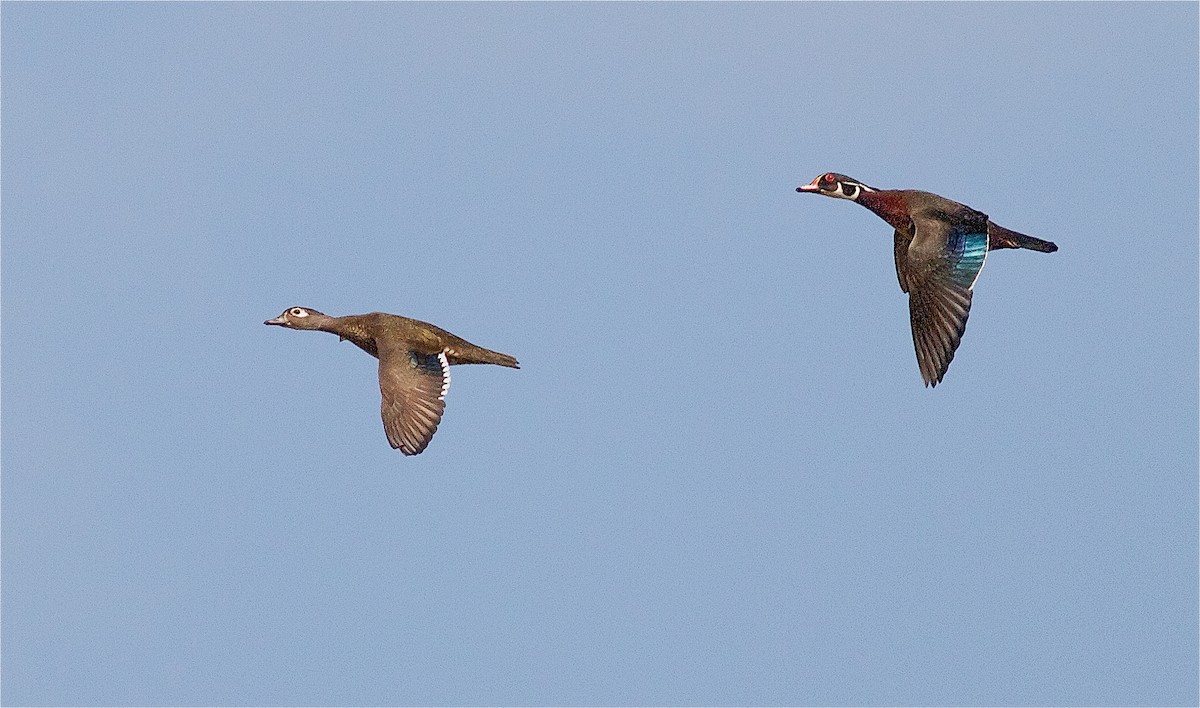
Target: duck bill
{"points": [[810, 187], [275, 321]]}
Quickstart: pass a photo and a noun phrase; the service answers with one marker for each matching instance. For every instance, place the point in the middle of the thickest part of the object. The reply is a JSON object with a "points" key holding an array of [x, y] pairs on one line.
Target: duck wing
{"points": [[937, 264], [413, 386]]}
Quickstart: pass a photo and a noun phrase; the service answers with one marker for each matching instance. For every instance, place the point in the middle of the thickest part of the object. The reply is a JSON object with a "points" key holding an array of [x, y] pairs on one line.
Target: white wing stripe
{"points": [[445, 374]]}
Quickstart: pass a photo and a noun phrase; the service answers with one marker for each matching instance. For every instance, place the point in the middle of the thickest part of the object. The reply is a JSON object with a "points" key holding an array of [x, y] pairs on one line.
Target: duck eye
{"points": [[829, 177], [297, 312]]}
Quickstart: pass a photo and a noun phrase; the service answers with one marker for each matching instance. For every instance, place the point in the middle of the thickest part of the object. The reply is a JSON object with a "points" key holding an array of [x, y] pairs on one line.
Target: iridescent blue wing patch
{"points": [[429, 364], [965, 253], [434, 365]]}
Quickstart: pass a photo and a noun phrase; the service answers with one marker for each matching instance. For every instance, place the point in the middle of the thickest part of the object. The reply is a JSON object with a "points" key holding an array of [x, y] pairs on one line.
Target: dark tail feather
{"points": [[501, 359], [1001, 237], [479, 355]]}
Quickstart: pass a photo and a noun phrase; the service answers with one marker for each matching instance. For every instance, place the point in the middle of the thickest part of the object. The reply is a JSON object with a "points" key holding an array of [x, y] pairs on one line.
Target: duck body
{"points": [[366, 331], [940, 246], [414, 366]]}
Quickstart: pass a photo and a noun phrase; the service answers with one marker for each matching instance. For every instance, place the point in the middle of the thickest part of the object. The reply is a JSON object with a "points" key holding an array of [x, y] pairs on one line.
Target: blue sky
{"points": [[717, 478]]}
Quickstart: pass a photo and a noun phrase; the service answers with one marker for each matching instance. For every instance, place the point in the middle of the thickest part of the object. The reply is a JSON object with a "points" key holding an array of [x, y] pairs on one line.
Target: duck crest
{"points": [[887, 205]]}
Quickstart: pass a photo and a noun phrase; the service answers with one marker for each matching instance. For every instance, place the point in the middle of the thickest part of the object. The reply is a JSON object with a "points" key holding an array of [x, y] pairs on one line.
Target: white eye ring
{"points": [[297, 312]]}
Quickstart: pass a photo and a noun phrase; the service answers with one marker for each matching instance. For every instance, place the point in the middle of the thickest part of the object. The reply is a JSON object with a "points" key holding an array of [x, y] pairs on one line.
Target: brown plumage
{"points": [[414, 366], [940, 246]]}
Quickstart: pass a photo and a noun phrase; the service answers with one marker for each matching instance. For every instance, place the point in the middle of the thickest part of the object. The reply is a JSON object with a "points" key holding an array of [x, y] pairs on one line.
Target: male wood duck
{"points": [[940, 247], [414, 366]]}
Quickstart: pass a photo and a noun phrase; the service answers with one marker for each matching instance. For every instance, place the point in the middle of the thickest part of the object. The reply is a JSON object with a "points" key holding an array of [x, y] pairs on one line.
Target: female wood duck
{"points": [[940, 247], [414, 366]]}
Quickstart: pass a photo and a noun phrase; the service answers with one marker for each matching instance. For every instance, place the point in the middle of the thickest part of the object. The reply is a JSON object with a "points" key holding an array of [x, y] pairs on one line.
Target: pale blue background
{"points": [[717, 478]]}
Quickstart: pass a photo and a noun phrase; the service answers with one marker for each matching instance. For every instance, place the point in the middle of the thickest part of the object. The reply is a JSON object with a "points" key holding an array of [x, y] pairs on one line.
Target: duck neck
{"points": [[351, 328], [887, 205]]}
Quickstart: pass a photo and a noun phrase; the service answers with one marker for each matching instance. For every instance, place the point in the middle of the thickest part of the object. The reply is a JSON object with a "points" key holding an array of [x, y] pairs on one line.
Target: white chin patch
{"points": [[840, 192], [851, 190]]}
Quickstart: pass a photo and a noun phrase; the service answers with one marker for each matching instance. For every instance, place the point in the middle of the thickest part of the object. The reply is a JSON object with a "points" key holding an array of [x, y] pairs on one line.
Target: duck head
{"points": [[300, 318], [832, 184]]}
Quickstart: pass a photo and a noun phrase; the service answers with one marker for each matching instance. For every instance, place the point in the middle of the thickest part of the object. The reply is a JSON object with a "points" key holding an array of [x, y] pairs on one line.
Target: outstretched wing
{"points": [[938, 311], [937, 270], [414, 388]]}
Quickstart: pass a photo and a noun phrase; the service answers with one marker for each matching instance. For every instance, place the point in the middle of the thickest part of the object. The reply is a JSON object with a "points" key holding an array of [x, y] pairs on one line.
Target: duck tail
{"points": [[468, 353], [500, 359], [1001, 237]]}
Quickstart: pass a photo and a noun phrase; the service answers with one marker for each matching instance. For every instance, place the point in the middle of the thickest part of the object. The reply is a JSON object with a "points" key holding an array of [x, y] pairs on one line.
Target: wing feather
{"points": [[413, 388], [937, 266]]}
